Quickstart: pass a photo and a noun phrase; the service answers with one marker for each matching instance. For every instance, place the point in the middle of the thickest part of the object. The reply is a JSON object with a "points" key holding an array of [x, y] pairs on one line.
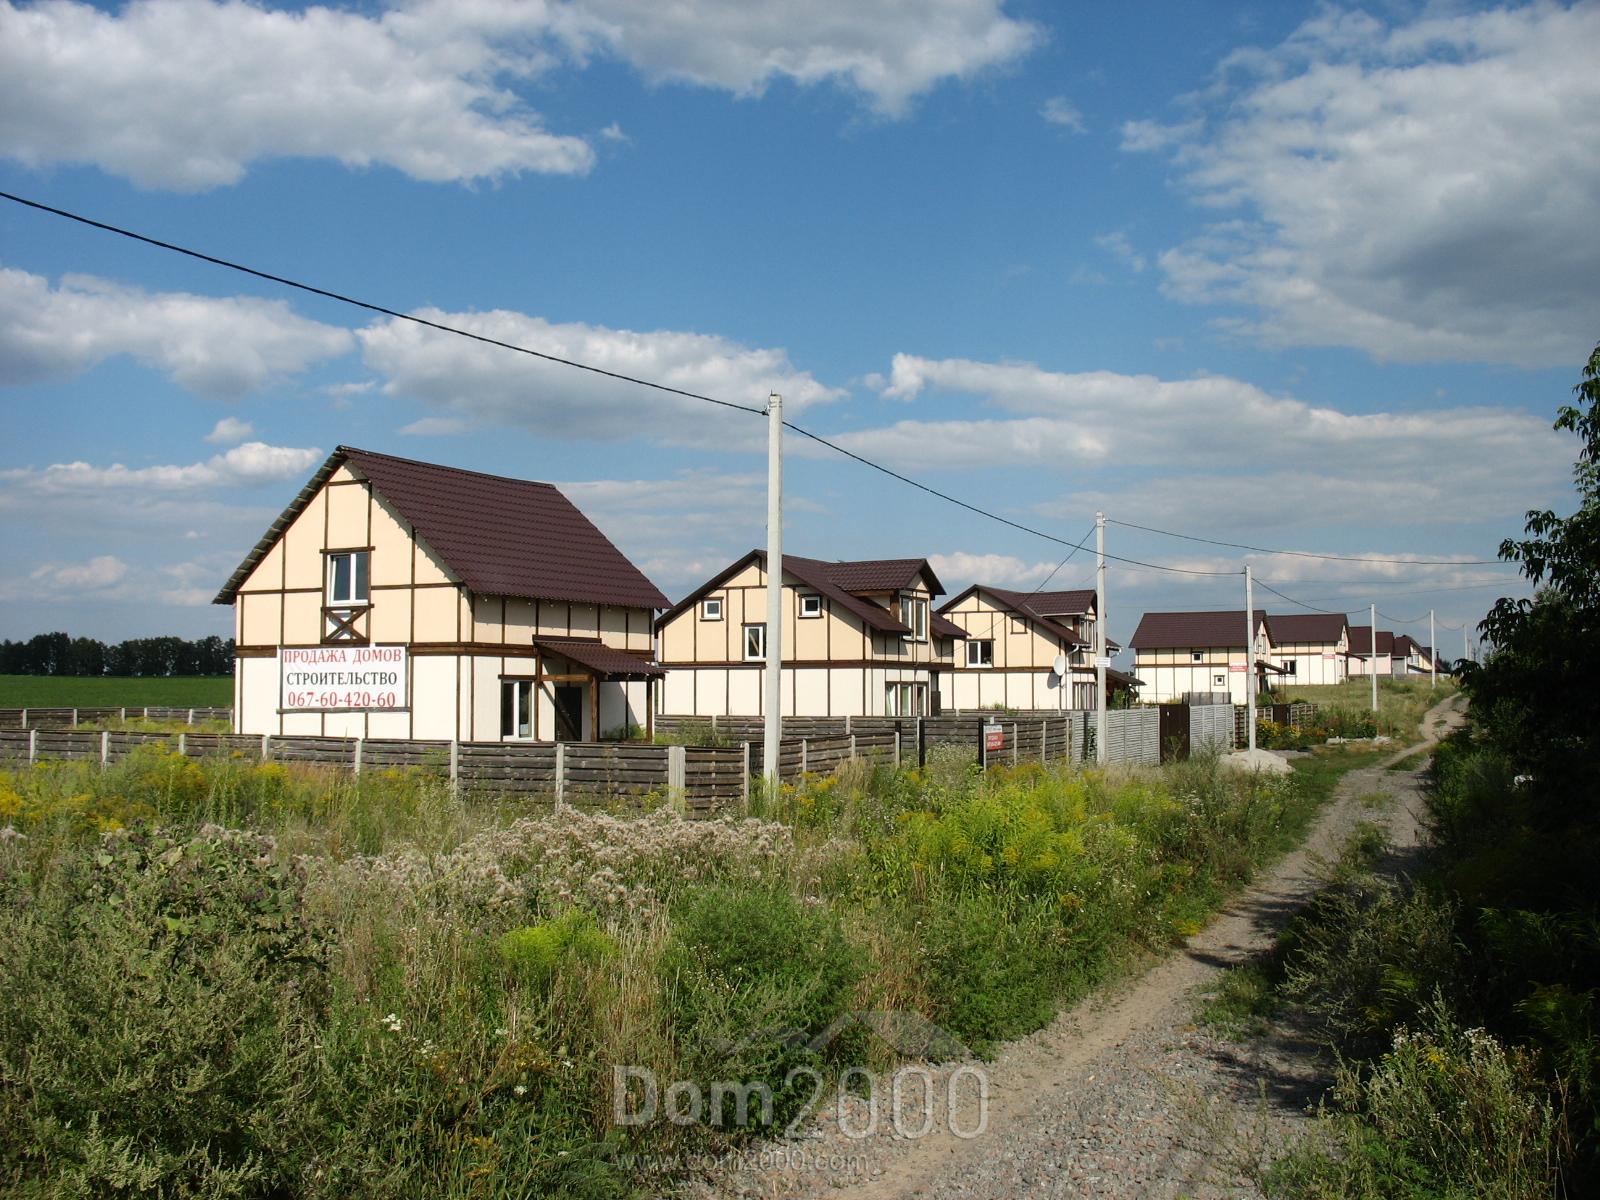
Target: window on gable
{"points": [[755, 643], [1197, 656], [711, 608], [810, 605], [348, 572], [980, 652], [914, 616]]}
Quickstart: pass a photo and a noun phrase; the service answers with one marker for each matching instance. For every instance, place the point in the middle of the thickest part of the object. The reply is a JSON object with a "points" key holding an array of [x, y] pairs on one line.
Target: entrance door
{"points": [[569, 712]]}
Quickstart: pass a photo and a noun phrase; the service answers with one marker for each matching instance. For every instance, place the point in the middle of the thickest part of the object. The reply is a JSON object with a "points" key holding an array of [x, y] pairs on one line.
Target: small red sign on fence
{"points": [[994, 737]]}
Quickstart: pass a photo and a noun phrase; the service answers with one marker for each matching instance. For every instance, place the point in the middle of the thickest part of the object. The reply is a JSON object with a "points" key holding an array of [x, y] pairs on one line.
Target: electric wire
{"points": [[1406, 562], [621, 377], [384, 310]]}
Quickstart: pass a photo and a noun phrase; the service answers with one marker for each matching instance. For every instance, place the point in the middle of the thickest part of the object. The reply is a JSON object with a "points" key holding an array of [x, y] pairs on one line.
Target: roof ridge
{"points": [[432, 466]]}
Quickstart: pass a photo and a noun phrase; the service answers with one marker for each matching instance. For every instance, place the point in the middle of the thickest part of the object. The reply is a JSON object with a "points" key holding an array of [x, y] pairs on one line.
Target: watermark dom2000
{"points": [[640, 1097]]}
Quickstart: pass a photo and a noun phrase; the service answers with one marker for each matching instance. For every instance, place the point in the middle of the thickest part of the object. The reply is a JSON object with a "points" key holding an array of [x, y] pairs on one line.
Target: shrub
{"points": [[158, 1032], [1445, 1112], [535, 952], [751, 977]]}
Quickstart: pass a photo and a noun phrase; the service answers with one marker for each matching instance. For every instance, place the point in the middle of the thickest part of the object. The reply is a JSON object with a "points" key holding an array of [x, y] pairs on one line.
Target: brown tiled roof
{"points": [[881, 574], [942, 627], [1191, 630], [1306, 627], [1073, 603], [1361, 641], [501, 537], [598, 657]]}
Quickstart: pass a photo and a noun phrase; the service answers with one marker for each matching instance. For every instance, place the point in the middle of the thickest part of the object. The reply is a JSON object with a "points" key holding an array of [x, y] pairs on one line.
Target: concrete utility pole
{"points": [[1100, 636], [1372, 659], [1433, 654], [772, 728], [1250, 654]]}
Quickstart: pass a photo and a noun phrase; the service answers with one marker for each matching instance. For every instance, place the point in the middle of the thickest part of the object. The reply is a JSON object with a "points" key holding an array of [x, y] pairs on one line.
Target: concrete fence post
{"points": [[677, 768], [852, 738], [355, 759], [847, 728], [33, 744], [105, 748], [124, 716], [183, 745], [897, 747], [74, 718], [24, 718], [1044, 739], [805, 756], [146, 712], [455, 765], [191, 717], [1015, 749], [561, 773], [266, 747]]}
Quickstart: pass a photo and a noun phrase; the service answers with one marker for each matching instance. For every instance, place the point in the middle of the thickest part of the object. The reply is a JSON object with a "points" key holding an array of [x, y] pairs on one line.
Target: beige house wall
{"points": [[415, 601]]}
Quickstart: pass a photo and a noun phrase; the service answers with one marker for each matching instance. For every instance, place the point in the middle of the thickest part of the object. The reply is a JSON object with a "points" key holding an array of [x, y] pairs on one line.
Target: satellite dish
{"points": [[1060, 665]]}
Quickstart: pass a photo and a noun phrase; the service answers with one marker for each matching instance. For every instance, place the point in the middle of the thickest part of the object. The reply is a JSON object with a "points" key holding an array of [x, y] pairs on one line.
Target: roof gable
{"points": [[500, 536]]}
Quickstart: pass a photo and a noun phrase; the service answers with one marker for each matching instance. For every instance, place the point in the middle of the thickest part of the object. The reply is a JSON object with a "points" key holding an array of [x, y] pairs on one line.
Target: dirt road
{"points": [[1123, 1096]]}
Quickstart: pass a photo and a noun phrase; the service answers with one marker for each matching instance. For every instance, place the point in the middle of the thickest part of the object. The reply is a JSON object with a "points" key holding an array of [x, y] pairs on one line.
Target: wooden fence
{"points": [[71, 718], [1300, 715]]}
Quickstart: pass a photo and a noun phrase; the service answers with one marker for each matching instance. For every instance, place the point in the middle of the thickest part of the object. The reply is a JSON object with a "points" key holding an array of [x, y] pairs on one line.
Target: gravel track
{"points": [[1124, 1096]]}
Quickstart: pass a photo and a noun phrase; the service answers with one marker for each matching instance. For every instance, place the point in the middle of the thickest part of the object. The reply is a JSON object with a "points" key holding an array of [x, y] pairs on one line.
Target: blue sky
{"points": [[1300, 276]]}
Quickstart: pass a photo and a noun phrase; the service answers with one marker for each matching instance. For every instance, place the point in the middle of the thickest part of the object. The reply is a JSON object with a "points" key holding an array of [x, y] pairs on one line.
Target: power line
{"points": [[369, 306], [1332, 612], [1407, 562], [384, 310]]}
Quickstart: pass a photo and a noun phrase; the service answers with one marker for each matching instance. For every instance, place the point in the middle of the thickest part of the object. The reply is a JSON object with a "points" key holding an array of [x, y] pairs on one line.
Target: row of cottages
{"points": [[1397, 654], [859, 639], [399, 599]]}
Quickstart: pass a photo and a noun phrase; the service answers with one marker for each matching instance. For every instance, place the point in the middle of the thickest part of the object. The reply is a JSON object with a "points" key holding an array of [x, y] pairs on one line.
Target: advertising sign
{"points": [[342, 678], [1239, 667], [994, 738]]}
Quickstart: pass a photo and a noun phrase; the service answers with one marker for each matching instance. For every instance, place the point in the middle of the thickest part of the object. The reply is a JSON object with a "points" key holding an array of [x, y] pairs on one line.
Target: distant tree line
{"points": [[61, 654]]}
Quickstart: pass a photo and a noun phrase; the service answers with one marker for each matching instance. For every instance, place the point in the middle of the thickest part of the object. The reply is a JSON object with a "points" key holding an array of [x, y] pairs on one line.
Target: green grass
{"points": [[1401, 702], [1243, 1001], [107, 691]]}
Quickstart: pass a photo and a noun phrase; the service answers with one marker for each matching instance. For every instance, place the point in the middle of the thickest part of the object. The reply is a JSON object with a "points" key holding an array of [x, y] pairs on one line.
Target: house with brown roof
{"points": [[401, 599], [1361, 659], [1411, 657], [859, 639], [1013, 643], [1176, 653], [1311, 647]]}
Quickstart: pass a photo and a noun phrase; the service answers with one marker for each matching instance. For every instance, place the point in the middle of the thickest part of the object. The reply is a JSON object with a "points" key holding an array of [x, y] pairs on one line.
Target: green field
{"points": [[121, 691]]}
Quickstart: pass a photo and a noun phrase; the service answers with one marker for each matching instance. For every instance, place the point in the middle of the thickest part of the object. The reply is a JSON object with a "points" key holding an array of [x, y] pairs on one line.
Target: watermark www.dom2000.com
{"points": [[639, 1097]]}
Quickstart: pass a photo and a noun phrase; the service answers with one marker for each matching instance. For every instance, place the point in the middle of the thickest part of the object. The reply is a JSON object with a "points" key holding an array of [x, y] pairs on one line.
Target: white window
{"points": [[755, 643], [914, 615], [1197, 656], [711, 609], [980, 652], [810, 605], [1219, 681], [516, 708], [347, 577]]}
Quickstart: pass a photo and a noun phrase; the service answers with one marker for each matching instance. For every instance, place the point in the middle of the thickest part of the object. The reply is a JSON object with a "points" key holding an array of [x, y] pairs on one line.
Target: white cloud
{"points": [[229, 430], [200, 90], [1422, 192], [1215, 453], [1119, 247], [436, 427], [216, 347], [959, 568], [482, 386], [243, 466], [1058, 110], [887, 50], [100, 572], [185, 94]]}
